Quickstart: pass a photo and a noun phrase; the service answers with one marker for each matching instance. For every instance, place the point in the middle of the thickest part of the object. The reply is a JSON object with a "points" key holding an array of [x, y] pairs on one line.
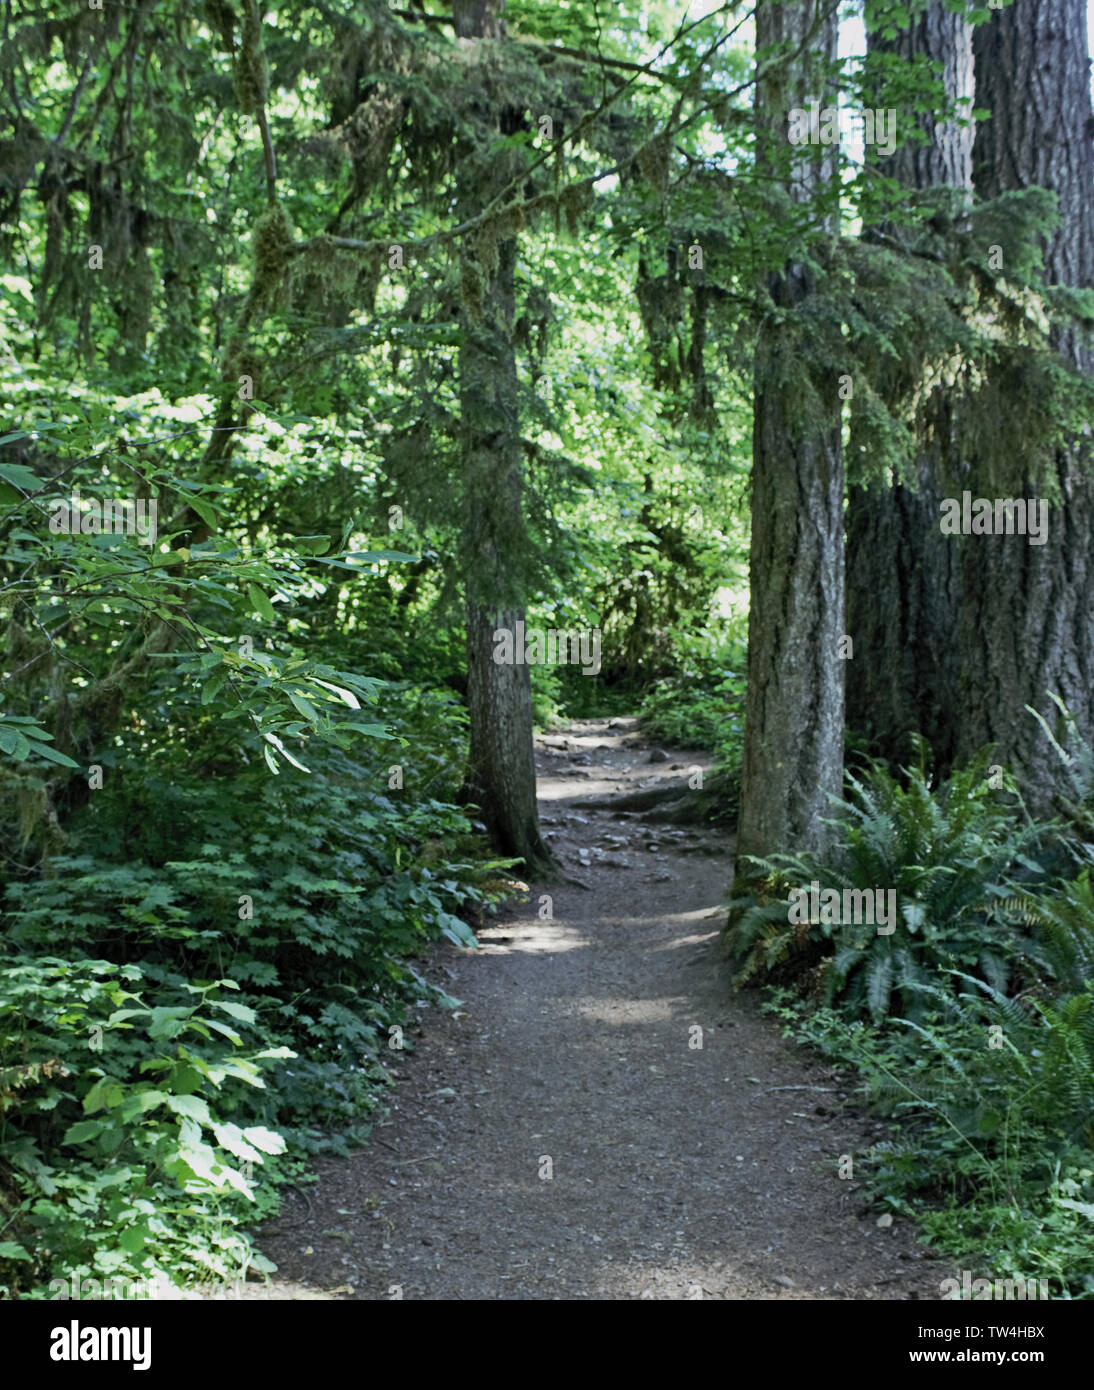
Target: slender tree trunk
{"points": [[1028, 621], [903, 594], [501, 776], [793, 753]]}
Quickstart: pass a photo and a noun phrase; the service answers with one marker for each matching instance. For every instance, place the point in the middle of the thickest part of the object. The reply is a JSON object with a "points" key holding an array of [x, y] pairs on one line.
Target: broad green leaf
{"points": [[165, 1023], [373, 556], [106, 1093], [230, 1137], [83, 1130], [14, 743], [1083, 1208], [133, 1238], [243, 1012], [205, 511], [456, 931], [54, 755], [265, 1139], [225, 1031], [23, 478], [340, 690], [261, 604], [304, 707], [193, 1107], [149, 1100], [213, 686]]}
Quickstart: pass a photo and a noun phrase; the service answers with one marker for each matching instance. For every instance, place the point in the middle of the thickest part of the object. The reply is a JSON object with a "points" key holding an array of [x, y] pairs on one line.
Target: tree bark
{"points": [[946, 160], [793, 751], [903, 594], [1028, 620], [501, 776]]}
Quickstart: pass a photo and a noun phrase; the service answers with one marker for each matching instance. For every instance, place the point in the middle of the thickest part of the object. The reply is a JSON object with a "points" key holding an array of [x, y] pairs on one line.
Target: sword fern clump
{"points": [[959, 858]]}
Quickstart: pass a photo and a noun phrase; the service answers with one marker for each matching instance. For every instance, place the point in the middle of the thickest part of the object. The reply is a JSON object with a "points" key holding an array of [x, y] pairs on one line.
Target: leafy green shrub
{"points": [[704, 708], [700, 709], [546, 697], [953, 856], [994, 1098], [988, 1075], [434, 724], [116, 1154], [338, 887], [309, 895]]}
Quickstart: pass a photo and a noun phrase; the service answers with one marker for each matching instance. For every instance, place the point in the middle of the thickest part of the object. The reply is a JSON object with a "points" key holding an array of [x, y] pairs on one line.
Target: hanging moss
{"points": [[371, 133], [472, 288], [367, 283], [652, 160], [576, 200], [271, 240], [246, 362], [23, 648], [936, 337], [327, 274]]}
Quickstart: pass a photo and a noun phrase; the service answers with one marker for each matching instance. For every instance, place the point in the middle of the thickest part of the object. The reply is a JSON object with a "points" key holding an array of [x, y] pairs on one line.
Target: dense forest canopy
{"points": [[344, 341]]}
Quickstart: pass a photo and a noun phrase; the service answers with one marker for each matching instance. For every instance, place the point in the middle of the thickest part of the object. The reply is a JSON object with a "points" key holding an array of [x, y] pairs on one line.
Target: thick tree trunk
{"points": [[946, 160], [903, 594], [1028, 621], [793, 753], [903, 605], [501, 776]]}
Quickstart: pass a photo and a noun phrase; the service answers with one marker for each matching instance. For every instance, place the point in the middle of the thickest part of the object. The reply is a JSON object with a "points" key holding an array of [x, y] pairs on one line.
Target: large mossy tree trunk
{"points": [[1028, 610], [793, 750], [501, 777], [903, 591]]}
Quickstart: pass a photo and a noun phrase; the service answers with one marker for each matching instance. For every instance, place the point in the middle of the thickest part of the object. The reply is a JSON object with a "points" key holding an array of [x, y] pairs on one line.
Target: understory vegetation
{"points": [[204, 985], [970, 1023], [343, 343]]}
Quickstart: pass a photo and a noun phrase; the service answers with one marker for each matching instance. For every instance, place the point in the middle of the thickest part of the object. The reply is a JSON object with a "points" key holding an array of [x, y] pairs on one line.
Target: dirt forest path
{"points": [[675, 1171]]}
